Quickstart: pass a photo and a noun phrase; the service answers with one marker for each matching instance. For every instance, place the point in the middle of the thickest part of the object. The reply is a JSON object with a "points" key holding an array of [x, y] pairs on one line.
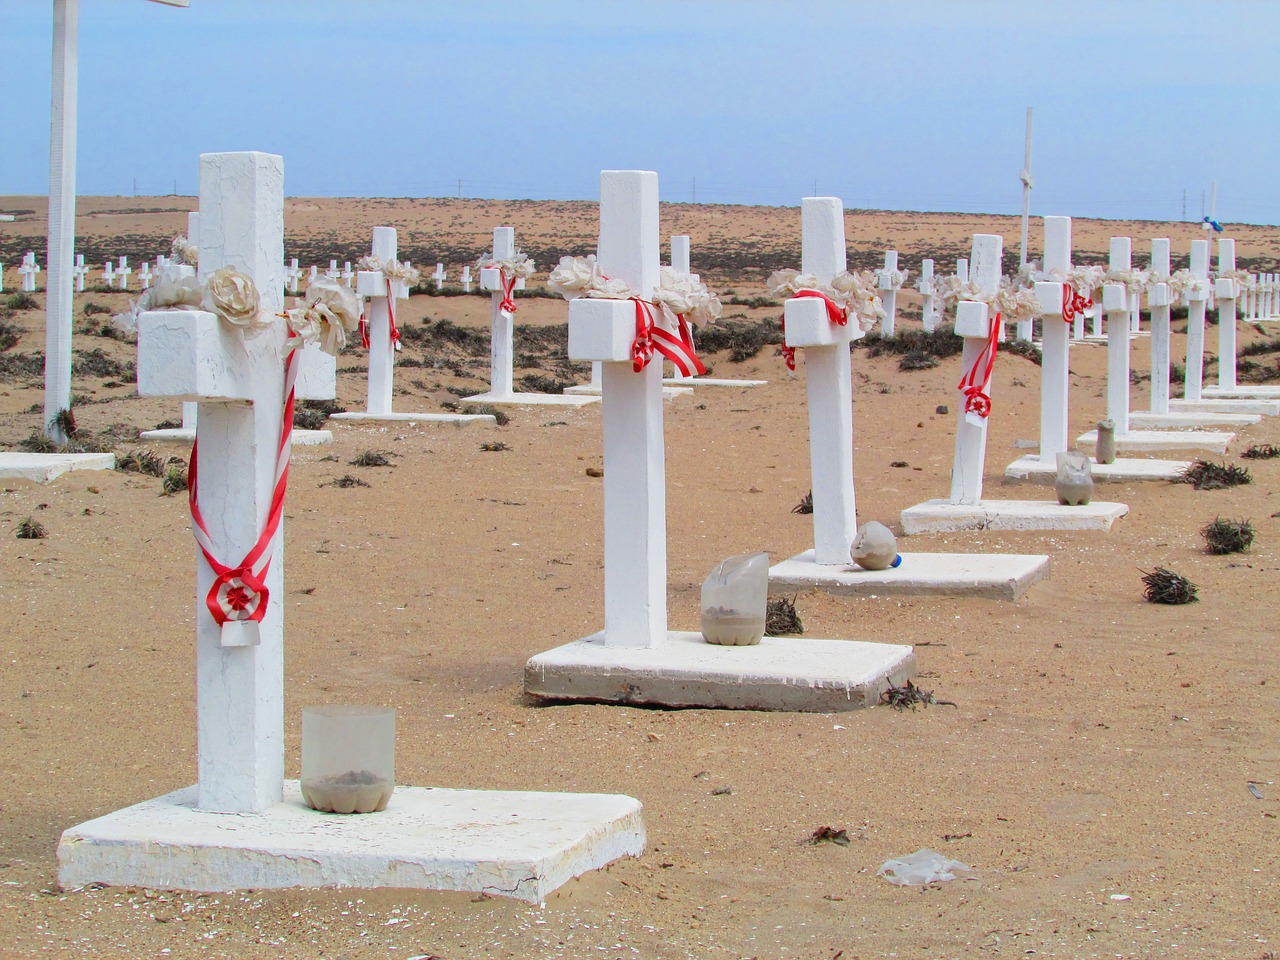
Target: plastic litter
{"points": [[924, 866]]}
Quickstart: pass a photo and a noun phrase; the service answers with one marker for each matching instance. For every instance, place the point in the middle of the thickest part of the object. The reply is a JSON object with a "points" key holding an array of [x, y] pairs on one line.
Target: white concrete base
{"points": [[43, 467], [1029, 469], [993, 576], [587, 390], [456, 419], [1265, 408], [1145, 419], [711, 382], [532, 399], [1249, 391], [301, 438], [1150, 441], [943, 516], [520, 845], [683, 670]]}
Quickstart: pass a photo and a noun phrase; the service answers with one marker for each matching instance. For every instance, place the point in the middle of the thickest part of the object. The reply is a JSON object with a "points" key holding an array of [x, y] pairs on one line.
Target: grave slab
{"points": [[593, 390], [514, 399], [942, 516], [456, 419], [1145, 441], [1262, 407], [711, 382], [301, 438], [1000, 576], [683, 670], [1254, 392], [1030, 469], [521, 845], [1189, 420], [43, 467]]}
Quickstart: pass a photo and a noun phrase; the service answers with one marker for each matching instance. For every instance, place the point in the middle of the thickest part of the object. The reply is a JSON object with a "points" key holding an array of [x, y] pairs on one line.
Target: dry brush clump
{"points": [[1261, 451], [1227, 536], [1204, 475], [781, 618], [1165, 586]]}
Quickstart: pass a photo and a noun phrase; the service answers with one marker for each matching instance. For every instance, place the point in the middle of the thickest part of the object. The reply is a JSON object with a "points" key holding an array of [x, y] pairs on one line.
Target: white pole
{"points": [[62, 216], [1055, 373], [1026, 192]]}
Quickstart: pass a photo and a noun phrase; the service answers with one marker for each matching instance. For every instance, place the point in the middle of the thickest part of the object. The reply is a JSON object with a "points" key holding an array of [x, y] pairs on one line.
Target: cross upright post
{"points": [[635, 525], [1158, 298], [1193, 371], [439, 276], [927, 296], [292, 276], [374, 285], [501, 322], [239, 383], [80, 271], [974, 322], [888, 283], [1055, 377], [122, 273], [1226, 290], [1115, 301], [108, 274]]}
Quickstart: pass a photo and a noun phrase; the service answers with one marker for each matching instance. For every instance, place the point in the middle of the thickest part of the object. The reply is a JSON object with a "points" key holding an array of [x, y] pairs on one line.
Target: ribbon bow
{"points": [[835, 313], [240, 593], [1073, 304], [976, 383], [507, 306], [676, 345]]}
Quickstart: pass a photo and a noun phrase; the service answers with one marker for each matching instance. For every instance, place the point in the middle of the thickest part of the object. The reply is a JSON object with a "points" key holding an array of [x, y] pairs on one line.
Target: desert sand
{"points": [[1094, 771]]}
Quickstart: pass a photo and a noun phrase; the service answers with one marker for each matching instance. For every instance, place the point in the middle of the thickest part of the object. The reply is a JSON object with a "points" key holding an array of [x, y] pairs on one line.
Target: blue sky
{"points": [[904, 104]]}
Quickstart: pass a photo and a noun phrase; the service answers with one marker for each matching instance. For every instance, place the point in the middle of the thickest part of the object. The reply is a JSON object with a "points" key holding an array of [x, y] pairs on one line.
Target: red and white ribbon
{"points": [[837, 314], [676, 344], [391, 320], [507, 306], [976, 383], [239, 592], [1073, 304]]}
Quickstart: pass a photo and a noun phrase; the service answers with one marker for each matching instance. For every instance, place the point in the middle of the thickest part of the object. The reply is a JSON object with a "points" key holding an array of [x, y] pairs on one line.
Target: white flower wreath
{"points": [[394, 270], [518, 266], [855, 292]]}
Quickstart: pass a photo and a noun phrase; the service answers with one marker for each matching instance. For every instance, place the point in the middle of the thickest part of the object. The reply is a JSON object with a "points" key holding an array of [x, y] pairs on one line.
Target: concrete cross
{"points": [[680, 262], [374, 285], [292, 276], [79, 271], [1193, 371], [467, 280], [928, 297], [1159, 301], [313, 273], [1116, 302], [347, 274], [830, 389], [974, 319], [1, 277], [1227, 291], [1055, 375], [333, 272], [122, 273], [885, 281], [144, 275], [29, 271], [500, 323], [109, 274], [635, 524], [239, 384], [439, 276]]}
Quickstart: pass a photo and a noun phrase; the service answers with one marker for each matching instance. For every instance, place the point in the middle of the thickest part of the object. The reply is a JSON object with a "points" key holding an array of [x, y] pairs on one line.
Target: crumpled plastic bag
{"points": [[924, 866]]}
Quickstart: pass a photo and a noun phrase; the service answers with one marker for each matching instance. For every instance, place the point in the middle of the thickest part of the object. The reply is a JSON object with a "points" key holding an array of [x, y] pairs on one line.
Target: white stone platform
{"points": [[510, 844], [943, 516], [779, 673], [532, 399], [711, 382], [1030, 469], [301, 438], [1188, 419], [455, 419], [43, 467], [1154, 441], [1263, 407], [1245, 391], [587, 390], [993, 576]]}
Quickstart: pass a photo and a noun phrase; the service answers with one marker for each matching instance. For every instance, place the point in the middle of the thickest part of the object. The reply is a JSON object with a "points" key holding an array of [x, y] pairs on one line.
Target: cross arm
{"points": [[190, 355]]}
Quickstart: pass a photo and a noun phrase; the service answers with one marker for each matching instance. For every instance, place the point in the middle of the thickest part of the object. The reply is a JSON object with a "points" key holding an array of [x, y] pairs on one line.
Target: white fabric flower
{"points": [[602, 289], [518, 266], [787, 283], [686, 297], [573, 276], [327, 313], [185, 252], [233, 297]]}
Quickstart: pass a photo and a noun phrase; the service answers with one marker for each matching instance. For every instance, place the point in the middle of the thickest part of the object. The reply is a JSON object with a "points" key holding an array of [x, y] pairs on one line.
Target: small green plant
{"points": [[91, 308], [1165, 586], [65, 421], [9, 334], [917, 360], [175, 479], [22, 301], [142, 461], [31, 529], [780, 617], [304, 419], [1204, 475], [1227, 536], [1261, 451], [37, 442]]}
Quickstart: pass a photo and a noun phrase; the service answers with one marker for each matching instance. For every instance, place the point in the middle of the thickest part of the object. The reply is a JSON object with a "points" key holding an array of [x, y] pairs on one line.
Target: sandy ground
{"points": [[1094, 772]]}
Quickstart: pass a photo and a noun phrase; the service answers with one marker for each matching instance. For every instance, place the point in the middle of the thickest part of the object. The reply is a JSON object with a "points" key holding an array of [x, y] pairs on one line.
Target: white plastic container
{"points": [[735, 597], [348, 758]]}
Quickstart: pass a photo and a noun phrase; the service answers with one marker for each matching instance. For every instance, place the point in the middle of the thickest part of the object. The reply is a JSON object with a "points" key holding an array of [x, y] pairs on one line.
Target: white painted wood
{"points": [[62, 216], [1227, 290], [373, 285], [1193, 375], [501, 325], [108, 274], [333, 272], [680, 254], [467, 280], [635, 526], [80, 271], [293, 275], [1115, 300], [1055, 374], [971, 430], [439, 276], [239, 383], [29, 271], [1158, 297], [928, 296], [123, 272], [888, 292], [144, 275], [962, 270]]}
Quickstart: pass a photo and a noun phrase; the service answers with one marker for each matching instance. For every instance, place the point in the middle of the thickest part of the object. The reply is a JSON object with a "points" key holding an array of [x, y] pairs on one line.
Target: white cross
{"points": [[122, 273], [466, 279], [332, 273], [144, 275], [80, 271], [1227, 290], [1115, 301], [635, 526], [374, 285], [962, 270], [888, 292], [1055, 376], [1193, 372], [830, 389], [1158, 299], [680, 263], [1, 277], [109, 274], [439, 276], [292, 276], [973, 322], [500, 338], [239, 383], [347, 274], [314, 272], [29, 271], [928, 296]]}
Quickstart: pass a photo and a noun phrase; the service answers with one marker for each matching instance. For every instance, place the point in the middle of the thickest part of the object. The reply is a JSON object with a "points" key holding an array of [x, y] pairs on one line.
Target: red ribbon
{"points": [[977, 398], [508, 303], [391, 319], [240, 592], [1073, 304], [835, 313], [676, 347]]}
